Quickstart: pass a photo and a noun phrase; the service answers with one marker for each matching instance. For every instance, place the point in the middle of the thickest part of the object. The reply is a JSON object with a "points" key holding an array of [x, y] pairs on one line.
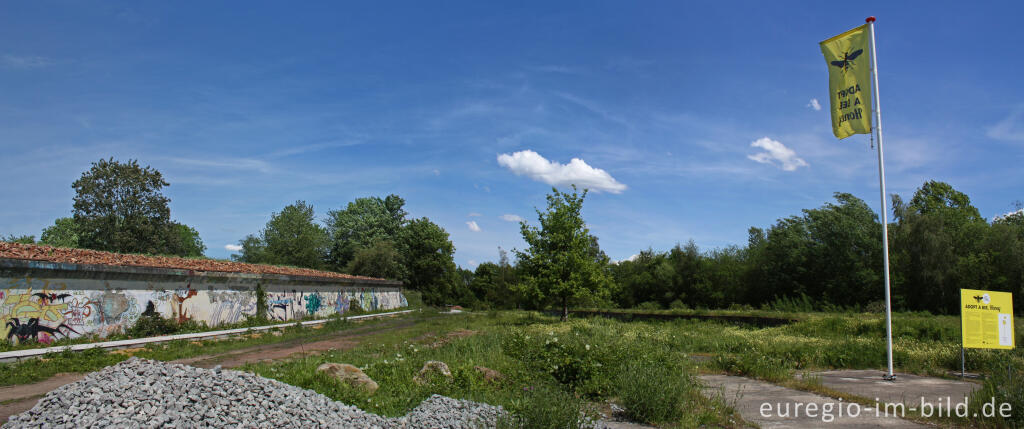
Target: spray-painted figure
{"points": [[49, 298], [33, 328]]}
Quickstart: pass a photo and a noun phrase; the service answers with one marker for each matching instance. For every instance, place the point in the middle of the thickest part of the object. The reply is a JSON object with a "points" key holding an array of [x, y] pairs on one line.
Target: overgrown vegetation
{"points": [[150, 324], [555, 375], [34, 370]]}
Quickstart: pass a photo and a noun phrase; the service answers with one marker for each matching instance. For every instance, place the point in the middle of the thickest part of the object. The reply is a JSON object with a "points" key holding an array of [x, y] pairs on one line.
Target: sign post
{"points": [[986, 322]]}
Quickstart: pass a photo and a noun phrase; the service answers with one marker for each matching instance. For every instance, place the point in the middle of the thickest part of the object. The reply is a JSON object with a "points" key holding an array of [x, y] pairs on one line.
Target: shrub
{"points": [[545, 408], [678, 305], [571, 361], [649, 305], [655, 393], [354, 309], [151, 325], [1003, 384]]}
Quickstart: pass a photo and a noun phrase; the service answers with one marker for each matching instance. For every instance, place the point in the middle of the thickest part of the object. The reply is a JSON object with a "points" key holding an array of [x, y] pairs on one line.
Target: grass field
{"points": [[555, 372]]}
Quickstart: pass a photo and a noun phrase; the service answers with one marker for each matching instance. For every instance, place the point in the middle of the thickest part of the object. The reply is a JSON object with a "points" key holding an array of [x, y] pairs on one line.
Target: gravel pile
{"points": [[140, 393]]}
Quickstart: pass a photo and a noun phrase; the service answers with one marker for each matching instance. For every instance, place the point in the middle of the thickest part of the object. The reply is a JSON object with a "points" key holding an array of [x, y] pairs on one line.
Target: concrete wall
{"points": [[74, 300]]}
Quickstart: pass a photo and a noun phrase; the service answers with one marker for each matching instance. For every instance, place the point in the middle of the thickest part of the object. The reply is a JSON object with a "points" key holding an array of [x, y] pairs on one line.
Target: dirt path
{"points": [[19, 398]]}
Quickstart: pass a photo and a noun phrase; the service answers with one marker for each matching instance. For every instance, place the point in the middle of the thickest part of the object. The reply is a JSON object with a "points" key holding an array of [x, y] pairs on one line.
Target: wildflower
{"points": [[588, 347]]}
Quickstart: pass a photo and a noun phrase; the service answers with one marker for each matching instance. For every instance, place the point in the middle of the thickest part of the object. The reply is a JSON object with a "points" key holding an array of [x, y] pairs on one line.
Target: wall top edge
{"points": [[94, 269]]}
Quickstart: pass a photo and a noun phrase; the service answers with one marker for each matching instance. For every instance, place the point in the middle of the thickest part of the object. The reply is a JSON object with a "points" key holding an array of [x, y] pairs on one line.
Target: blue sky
{"points": [[247, 107]]}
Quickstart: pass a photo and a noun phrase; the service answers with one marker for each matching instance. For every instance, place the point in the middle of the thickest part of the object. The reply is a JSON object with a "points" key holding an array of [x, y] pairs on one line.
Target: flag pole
{"points": [[885, 211]]}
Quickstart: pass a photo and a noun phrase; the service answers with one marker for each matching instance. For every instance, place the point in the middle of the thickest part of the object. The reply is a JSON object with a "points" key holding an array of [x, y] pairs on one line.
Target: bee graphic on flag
{"points": [[847, 60]]}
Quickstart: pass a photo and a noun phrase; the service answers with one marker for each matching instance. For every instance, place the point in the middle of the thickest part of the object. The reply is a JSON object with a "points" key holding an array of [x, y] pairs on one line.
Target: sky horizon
{"points": [[686, 121]]}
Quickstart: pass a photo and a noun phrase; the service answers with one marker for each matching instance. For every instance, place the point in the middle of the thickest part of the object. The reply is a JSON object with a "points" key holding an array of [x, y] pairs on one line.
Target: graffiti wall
{"points": [[297, 304], [47, 309]]}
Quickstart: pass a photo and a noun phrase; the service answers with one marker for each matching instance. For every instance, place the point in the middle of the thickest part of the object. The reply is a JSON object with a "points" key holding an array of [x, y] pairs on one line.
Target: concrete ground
{"points": [[771, 406], [907, 389]]}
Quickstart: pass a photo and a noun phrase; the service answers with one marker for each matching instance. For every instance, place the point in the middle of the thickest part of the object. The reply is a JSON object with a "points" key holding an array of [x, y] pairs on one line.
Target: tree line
{"points": [[825, 258], [371, 237], [120, 207]]}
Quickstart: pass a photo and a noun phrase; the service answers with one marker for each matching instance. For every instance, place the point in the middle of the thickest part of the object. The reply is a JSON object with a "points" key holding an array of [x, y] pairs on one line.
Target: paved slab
{"points": [[772, 406], [912, 390]]}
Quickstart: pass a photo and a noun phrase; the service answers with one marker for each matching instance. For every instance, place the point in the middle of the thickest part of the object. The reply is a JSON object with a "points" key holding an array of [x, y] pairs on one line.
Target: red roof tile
{"points": [[95, 257]]}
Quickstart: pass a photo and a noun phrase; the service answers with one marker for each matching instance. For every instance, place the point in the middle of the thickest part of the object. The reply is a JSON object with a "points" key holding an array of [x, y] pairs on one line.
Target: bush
{"points": [[354, 309], [649, 305], [151, 325], [572, 362], [655, 393], [1003, 385], [678, 305], [545, 408]]}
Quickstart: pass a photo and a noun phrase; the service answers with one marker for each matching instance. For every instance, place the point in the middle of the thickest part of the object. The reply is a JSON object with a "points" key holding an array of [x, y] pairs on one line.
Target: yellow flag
{"points": [[849, 81]]}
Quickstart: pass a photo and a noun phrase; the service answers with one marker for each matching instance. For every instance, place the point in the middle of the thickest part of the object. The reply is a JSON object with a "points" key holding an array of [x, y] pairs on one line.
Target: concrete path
{"points": [[913, 391], [772, 406]]}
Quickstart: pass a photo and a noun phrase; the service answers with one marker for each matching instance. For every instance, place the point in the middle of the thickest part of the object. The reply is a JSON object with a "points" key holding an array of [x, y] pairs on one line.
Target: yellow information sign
{"points": [[986, 319]]}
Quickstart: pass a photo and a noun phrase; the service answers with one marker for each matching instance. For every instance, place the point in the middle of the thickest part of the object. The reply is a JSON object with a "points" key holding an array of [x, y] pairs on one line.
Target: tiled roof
{"points": [[94, 257]]}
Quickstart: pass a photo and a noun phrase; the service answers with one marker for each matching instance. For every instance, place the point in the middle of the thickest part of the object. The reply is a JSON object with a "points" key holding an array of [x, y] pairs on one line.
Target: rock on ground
{"points": [[140, 393], [350, 375], [430, 368]]}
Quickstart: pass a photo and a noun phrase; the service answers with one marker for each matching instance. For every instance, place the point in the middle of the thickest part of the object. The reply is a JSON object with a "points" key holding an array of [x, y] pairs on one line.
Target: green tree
{"points": [[63, 233], [428, 254], [939, 198], [830, 254], [253, 250], [1014, 218], [380, 260], [492, 282], [560, 264], [362, 223], [937, 248], [291, 237], [118, 207], [186, 241]]}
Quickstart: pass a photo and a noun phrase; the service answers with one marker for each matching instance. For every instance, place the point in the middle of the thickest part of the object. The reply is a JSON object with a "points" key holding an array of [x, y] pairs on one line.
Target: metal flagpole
{"points": [[885, 211]]}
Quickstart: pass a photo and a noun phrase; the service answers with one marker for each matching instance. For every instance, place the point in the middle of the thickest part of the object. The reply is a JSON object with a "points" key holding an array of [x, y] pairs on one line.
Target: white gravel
{"points": [[140, 393]]}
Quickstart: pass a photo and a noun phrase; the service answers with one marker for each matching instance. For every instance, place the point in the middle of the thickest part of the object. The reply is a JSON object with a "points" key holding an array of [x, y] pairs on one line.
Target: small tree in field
{"points": [[560, 264]]}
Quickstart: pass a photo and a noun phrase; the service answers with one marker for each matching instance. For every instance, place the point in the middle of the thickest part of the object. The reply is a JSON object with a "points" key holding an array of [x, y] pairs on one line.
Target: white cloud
{"points": [[472, 263], [233, 247], [511, 218], [814, 104], [631, 258], [436, 172], [226, 163], [1008, 215], [536, 167], [776, 153], [25, 62], [473, 226], [474, 214], [1011, 128]]}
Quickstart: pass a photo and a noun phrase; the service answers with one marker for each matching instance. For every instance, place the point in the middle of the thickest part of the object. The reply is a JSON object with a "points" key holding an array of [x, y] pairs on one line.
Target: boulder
{"points": [[431, 368], [350, 375], [489, 374]]}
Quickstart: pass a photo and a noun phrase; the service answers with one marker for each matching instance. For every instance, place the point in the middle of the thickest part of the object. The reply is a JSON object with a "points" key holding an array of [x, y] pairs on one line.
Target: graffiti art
{"points": [[32, 329]]}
